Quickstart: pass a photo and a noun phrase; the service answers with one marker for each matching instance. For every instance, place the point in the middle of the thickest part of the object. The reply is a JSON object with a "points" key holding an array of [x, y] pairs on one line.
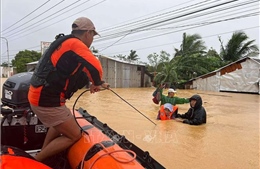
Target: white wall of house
{"points": [[246, 79], [207, 84], [242, 80], [6, 71]]}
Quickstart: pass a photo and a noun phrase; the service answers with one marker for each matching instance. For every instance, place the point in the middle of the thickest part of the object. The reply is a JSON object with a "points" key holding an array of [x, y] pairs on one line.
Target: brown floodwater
{"points": [[229, 140]]}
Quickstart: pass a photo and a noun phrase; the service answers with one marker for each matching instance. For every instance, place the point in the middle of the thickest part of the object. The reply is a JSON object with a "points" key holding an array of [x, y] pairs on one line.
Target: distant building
{"points": [[119, 73], [123, 74], [31, 66], [6, 71], [242, 75]]}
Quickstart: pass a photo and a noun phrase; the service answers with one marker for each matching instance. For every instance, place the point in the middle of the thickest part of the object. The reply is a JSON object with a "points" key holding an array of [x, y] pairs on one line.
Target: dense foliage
{"points": [[24, 57], [192, 60]]}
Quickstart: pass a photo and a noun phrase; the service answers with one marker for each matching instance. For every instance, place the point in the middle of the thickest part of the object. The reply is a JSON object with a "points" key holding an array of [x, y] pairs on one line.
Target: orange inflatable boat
{"points": [[101, 147], [23, 134]]}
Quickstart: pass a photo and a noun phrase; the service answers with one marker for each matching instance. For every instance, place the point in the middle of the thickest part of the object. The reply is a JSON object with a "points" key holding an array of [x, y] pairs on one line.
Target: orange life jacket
{"points": [[12, 157], [163, 115]]}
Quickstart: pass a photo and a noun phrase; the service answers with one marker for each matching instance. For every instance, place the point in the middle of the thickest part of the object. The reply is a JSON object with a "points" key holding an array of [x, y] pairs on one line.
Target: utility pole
{"points": [[7, 49]]}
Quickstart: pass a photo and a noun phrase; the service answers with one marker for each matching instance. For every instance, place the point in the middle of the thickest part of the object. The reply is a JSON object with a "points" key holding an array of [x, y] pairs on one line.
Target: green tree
{"points": [[212, 53], [121, 57], [167, 73], [24, 57], [164, 56], [190, 59], [213, 60], [191, 44], [237, 47], [190, 65], [153, 62], [155, 59], [132, 55], [5, 64]]}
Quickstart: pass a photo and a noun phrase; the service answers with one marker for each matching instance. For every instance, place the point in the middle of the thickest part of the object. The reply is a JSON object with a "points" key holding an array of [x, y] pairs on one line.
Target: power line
{"points": [[118, 34], [179, 30], [115, 42], [49, 17], [167, 44], [57, 21], [127, 23], [76, 13], [152, 18], [148, 25], [165, 20], [26, 15], [37, 16], [202, 24], [197, 24]]}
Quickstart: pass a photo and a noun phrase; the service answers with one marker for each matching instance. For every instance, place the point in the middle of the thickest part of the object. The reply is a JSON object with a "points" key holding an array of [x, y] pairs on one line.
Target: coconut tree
{"points": [[121, 57], [237, 47], [166, 72], [132, 55], [191, 44]]}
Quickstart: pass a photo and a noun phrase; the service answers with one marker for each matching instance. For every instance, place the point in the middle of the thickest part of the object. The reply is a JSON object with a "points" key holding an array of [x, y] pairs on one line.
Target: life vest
{"points": [[45, 72], [163, 115], [12, 157]]}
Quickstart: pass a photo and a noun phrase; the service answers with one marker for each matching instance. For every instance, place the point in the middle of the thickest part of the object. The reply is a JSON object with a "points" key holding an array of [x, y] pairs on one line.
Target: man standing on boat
{"points": [[66, 66]]}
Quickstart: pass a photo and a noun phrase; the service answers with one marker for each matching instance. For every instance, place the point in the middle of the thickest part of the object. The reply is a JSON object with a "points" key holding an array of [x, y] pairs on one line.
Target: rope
{"points": [[73, 108], [131, 105]]}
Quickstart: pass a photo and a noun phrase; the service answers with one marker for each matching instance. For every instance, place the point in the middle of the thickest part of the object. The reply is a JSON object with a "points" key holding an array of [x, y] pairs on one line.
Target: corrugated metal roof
{"points": [[132, 62], [112, 58]]}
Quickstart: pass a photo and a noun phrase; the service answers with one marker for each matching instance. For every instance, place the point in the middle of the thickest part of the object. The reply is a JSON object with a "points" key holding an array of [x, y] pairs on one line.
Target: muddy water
{"points": [[229, 140]]}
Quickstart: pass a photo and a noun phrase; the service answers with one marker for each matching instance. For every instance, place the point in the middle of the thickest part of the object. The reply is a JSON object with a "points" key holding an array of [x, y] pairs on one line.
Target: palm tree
{"points": [[187, 60], [132, 55], [121, 57], [191, 44], [238, 47], [167, 73]]}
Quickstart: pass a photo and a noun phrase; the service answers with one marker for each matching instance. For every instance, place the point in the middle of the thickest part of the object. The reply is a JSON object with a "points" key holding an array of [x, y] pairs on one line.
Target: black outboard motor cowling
{"points": [[15, 90], [20, 127]]}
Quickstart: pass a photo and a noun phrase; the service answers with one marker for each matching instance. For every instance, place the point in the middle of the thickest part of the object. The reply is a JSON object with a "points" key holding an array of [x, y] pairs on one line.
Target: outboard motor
{"points": [[20, 127], [15, 90]]}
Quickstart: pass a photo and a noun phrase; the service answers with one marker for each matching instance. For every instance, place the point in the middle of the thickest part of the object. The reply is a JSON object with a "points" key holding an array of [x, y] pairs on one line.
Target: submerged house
{"points": [[242, 75], [119, 73], [124, 73]]}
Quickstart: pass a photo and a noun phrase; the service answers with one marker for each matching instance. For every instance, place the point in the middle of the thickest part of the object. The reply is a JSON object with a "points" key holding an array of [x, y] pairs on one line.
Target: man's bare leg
{"points": [[51, 135], [70, 134]]}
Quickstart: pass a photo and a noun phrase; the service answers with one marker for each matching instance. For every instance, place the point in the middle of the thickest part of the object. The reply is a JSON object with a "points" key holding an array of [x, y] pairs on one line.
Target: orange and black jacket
{"points": [[63, 69]]}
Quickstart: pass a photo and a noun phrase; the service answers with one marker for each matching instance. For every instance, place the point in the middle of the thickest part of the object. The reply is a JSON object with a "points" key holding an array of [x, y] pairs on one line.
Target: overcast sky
{"points": [[147, 26]]}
